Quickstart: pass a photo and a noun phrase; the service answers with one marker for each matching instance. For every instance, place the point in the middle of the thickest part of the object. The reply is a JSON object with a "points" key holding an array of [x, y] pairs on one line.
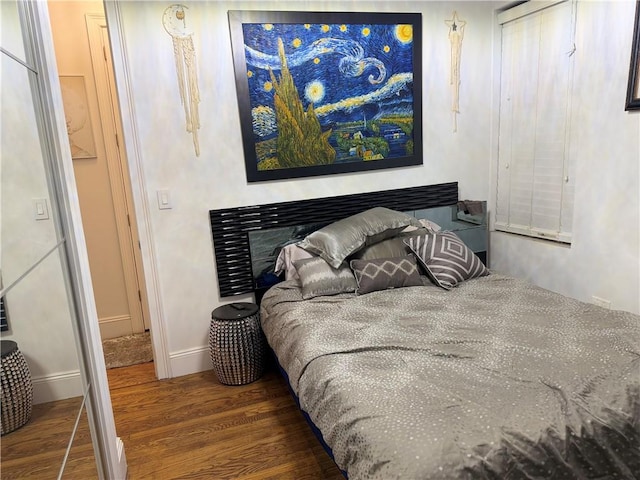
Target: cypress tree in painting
{"points": [[301, 142]]}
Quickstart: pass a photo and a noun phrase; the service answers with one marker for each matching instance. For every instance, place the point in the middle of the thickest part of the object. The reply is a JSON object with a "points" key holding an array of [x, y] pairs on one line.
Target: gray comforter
{"points": [[493, 379]]}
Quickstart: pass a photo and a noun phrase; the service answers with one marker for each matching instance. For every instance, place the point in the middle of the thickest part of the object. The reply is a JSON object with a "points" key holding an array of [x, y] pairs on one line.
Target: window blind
{"points": [[535, 178]]}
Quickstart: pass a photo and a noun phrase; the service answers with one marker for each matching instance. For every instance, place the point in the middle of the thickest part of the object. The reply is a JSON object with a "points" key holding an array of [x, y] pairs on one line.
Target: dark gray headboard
{"points": [[230, 227]]}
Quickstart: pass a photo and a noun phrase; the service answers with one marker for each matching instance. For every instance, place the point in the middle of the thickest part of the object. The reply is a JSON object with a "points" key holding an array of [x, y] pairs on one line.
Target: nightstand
{"points": [[236, 343]]}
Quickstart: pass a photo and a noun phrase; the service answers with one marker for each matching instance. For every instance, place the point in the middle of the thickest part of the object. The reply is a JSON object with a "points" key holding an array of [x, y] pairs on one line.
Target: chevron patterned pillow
{"points": [[447, 260], [384, 273]]}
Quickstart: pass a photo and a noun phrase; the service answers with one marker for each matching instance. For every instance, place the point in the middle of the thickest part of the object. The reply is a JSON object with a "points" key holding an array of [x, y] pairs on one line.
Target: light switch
{"points": [[40, 209], [164, 200]]}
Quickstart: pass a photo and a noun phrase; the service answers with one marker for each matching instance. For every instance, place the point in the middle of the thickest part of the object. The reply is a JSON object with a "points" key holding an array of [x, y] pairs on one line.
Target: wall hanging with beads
{"points": [[178, 26], [456, 35]]}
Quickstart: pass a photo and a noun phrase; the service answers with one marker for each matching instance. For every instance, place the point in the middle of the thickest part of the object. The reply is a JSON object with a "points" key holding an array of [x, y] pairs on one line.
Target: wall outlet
{"points": [[601, 302]]}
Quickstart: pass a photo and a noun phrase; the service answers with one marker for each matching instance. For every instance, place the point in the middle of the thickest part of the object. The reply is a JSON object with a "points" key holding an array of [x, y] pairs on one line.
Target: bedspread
{"points": [[493, 379]]}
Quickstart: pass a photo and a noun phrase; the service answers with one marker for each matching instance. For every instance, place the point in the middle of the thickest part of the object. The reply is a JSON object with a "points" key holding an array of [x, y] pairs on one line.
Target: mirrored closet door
{"points": [[51, 359]]}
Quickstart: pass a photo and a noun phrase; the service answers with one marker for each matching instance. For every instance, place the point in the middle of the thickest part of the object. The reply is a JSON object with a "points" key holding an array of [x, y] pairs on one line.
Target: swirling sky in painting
{"points": [[349, 72]]}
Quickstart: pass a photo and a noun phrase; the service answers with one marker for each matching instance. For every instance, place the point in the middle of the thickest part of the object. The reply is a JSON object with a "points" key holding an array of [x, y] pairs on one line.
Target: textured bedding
{"points": [[492, 379]]}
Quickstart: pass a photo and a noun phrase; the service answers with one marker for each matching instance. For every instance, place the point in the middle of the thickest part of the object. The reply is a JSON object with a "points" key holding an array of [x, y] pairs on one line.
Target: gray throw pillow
{"points": [[338, 240], [318, 278], [385, 273], [446, 259]]}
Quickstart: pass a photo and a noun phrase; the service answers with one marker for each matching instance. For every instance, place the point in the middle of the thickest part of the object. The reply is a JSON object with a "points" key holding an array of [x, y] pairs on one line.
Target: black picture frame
{"points": [[633, 88], [347, 69]]}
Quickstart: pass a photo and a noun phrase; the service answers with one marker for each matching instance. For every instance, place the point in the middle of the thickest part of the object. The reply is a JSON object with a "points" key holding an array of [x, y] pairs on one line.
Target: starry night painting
{"points": [[326, 93]]}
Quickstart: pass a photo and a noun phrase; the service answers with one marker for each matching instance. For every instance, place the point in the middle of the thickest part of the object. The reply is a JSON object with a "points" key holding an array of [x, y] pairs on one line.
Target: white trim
{"points": [[58, 386], [496, 68], [190, 361], [134, 158], [561, 237]]}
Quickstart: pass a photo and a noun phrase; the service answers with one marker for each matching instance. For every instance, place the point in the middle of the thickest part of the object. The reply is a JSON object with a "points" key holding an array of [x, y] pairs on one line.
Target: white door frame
{"points": [[139, 190]]}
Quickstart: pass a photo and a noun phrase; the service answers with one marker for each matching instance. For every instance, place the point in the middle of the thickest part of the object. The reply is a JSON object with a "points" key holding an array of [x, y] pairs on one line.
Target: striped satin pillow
{"points": [[447, 260], [318, 278], [338, 240]]}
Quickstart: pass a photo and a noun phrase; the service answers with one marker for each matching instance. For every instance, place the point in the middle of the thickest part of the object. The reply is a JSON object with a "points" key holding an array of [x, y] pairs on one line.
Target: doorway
{"points": [[104, 186]]}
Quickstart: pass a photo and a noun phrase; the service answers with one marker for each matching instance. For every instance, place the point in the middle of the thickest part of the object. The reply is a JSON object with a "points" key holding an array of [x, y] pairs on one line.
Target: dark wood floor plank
{"points": [[190, 427]]}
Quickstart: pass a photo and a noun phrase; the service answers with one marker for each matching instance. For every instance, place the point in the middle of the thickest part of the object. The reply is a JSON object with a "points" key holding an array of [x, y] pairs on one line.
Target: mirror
{"points": [[40, 321], [37, 295], [11, 33], [28, 216]]}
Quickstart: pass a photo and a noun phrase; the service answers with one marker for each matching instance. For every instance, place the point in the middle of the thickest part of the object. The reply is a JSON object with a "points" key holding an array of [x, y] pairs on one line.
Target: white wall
{"points": [[604, 258], [181, 237]]}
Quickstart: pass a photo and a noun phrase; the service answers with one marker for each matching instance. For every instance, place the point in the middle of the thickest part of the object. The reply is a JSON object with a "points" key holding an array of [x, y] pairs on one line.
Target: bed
{"points": [[470, 374]]}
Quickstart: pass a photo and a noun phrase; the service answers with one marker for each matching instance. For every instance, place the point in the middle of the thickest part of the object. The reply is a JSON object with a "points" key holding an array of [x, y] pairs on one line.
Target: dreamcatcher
{"points": [[175, 23], [456, 34]]}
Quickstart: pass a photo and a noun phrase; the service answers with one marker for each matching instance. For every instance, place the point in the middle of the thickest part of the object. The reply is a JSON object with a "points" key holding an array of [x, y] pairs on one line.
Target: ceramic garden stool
{"points": [[16, 398], [237, 343]]}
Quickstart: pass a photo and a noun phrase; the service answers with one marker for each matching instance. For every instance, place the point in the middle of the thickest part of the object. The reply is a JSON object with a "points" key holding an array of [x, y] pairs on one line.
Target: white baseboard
{"points": [[116, 326], [189, 361], [57, 387], [69, 384]]}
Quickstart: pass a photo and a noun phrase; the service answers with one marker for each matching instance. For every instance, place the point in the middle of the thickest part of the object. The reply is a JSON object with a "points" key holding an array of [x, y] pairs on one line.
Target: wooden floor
{"points": [[188, 427]]}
